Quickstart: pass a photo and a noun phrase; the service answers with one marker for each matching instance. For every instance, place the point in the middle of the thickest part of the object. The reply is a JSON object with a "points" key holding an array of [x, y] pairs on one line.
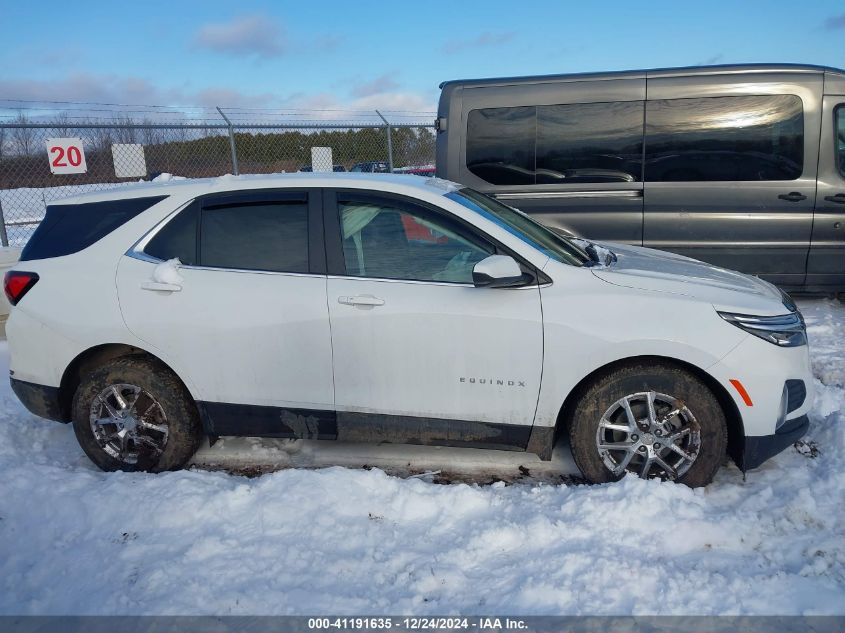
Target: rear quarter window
{"points": [[69, 228]]}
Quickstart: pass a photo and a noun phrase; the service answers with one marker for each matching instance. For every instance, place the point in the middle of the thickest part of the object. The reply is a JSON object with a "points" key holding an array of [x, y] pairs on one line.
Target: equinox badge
{"points": [[491, 381]]}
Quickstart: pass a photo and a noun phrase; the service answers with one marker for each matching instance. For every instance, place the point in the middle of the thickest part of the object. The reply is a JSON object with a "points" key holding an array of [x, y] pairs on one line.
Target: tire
{"points": [[160, 424], [673, 389]]}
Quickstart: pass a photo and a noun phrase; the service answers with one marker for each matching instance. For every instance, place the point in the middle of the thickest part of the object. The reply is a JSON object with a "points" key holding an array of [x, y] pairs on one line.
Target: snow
{"points": [[345, 540], [167, 177], [168, 272], [603, 255]]}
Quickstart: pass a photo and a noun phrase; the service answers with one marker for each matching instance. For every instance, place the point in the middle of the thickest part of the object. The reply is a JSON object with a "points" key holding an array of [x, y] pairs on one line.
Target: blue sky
{"points": [[362, 54]]}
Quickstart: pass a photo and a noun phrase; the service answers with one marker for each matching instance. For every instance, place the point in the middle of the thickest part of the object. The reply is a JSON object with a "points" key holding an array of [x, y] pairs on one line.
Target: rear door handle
{"points": [[794, 196], [161, 287], [361, 300], [839, 198]]}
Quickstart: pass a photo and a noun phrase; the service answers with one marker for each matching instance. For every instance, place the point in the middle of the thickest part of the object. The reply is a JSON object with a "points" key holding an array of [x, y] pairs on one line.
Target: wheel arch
{"points": [[94, 357], [736, 429]]}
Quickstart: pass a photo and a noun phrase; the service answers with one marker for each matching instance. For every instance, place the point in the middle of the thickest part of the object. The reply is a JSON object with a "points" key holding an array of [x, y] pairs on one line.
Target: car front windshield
{"points": [[522, 226]]}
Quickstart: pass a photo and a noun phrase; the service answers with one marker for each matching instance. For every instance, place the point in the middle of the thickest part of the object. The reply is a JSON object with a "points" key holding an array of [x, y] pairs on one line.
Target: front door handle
{"points": [[839, 198], [793, 196], [361, 300]]}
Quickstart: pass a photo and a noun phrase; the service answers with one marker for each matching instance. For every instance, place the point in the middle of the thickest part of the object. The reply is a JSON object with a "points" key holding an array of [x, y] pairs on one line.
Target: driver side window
{"points": [[390, 240]]}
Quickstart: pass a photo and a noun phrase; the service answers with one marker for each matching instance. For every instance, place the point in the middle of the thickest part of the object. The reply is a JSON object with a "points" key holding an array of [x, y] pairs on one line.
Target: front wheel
{"points": [[134, 414], [653, 420]]}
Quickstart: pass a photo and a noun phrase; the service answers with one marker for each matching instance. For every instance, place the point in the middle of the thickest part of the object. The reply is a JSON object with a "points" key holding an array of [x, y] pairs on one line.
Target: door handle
{"points": [[794, 196], [161, 287], [839, 198], [361, 300]]}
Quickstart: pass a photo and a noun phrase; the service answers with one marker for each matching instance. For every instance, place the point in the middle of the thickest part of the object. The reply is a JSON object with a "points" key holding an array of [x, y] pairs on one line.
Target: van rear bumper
{"points": [[759, 448], [41, 400]]}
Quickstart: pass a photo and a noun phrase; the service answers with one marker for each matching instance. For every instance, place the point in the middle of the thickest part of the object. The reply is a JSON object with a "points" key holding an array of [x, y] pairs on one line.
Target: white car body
{"points": [[486, 367]]}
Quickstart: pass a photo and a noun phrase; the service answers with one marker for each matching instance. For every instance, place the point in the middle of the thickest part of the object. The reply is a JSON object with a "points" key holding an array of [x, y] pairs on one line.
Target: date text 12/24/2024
{"points": [[417, 624]]}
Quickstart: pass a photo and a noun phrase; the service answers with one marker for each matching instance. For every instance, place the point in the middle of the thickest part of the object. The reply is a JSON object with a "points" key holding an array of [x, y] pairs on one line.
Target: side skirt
{"points": [[220, 418]]}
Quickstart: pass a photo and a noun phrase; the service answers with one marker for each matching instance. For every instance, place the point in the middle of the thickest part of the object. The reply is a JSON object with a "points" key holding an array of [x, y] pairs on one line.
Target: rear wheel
{"points": [[654, 420], [134, 414]]}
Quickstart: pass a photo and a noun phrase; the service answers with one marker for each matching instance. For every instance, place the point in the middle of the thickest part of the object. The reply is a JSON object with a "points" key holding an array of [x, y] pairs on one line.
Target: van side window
{"points": [[590, 142], [500, 144], [746, 138], [840, 139]]}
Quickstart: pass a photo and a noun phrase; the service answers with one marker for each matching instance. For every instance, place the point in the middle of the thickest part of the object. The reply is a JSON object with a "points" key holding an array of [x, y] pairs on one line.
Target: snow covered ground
{"points": [[346, 540]]}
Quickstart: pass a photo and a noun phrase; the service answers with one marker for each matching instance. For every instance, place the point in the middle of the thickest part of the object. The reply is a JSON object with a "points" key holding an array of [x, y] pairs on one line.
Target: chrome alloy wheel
{"points": [[129, 423], [650, 434]]}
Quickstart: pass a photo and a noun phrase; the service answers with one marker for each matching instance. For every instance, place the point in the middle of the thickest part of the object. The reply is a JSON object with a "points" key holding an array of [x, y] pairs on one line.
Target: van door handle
{"points": [[161, 287], [361, 300], [794, 196], [839, 198]]}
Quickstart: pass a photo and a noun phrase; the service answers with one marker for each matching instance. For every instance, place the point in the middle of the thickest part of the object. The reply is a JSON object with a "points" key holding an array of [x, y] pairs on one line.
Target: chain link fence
{"points": [[123, 152]]}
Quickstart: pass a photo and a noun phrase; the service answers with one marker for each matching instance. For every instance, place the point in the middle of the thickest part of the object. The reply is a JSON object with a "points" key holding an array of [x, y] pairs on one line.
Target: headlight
{"points": [[784, 330]]}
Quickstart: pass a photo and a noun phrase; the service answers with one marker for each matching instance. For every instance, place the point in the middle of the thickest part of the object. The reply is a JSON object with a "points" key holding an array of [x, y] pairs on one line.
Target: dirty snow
{"points": [[74, 540]]}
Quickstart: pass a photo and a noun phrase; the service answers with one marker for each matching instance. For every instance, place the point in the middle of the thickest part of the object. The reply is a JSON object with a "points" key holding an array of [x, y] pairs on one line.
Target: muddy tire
{"points": [[134, 414], [655, 420]]}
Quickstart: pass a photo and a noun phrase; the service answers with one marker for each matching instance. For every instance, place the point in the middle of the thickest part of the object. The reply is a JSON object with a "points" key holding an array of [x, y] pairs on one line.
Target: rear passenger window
{"points": [[590, 142], [500, 145], [271, 236], [261, 236], [177, 238], [747, 138]]}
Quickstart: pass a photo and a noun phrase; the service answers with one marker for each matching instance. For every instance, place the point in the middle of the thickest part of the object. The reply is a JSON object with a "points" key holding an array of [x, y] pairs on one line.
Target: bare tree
{"points": [[150, 135], [24, 137], [61, 125], [102, 138], [124, 130], [2, 141]]}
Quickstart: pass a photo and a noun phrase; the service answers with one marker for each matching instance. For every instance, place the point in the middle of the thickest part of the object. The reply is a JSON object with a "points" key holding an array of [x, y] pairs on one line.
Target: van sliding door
{"points": [[826, 264], [567, 152], [730, 170]]}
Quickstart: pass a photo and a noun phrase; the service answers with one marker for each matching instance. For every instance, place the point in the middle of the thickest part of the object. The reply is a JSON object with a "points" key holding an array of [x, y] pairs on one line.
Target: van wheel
{"points": [[654, 420], [133, 414]]}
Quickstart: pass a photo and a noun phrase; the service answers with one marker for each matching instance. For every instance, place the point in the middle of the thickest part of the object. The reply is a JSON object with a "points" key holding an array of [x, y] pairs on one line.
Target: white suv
{"points": [[392, 308]]}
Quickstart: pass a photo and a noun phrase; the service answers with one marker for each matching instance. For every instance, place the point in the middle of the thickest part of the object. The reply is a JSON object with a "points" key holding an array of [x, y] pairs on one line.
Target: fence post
{"points": [[235, 169], [4, 238], [389, 142]]}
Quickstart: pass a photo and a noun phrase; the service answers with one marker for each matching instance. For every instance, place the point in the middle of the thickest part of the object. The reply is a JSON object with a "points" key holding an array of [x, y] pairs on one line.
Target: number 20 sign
{"points": [[66, 156]]}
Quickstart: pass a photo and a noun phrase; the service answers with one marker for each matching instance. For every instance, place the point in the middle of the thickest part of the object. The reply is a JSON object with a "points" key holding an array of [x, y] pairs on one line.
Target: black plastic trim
{"points": [[796, 393], [322, 424], [40, 400], [759, 448]]}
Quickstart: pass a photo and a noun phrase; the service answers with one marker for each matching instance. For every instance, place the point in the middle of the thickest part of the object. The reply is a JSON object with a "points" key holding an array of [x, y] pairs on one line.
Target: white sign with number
{"points": [[66, 156]]}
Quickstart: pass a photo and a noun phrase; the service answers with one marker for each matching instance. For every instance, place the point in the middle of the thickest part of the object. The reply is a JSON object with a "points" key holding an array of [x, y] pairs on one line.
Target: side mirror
{"points": [[497, 271]]}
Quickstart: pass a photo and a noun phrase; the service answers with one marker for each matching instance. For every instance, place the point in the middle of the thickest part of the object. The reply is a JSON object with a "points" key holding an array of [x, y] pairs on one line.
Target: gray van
{"points": [[740, 166]]}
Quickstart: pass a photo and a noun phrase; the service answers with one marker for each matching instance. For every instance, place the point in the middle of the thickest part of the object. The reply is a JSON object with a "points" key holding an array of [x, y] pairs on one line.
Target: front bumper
{"points": [[759, 448], [41, 400]]}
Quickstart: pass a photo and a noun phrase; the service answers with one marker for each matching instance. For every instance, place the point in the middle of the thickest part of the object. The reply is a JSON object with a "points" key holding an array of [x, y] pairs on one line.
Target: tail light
{"points": [[16, 284]]}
